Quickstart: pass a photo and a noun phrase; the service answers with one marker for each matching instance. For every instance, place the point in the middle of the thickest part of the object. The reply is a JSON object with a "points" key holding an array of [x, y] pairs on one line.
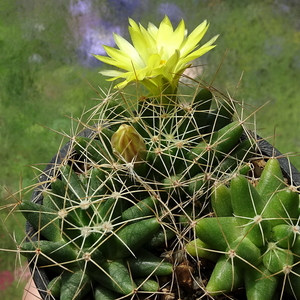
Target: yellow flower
{"points": [[157, 57]]}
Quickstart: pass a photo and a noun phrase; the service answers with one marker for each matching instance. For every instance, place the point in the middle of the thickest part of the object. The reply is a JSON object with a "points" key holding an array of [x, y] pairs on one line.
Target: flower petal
{"points": [[127, 48], [105, 59], [196, 54], [143, 42], [211, 41], [111, 73], [171, 64], [153, 30], [194, 38], [121, 59], [179, 35], [165, 32]]}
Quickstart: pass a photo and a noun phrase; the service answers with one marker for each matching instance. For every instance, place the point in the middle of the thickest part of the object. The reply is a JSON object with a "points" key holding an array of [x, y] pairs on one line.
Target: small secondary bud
{"points": [[128, 143]]}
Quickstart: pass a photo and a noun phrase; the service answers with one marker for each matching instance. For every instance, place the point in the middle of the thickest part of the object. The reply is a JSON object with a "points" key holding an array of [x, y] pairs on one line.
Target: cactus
{"points": [[255, 232], [158, 182], [122, 194]]}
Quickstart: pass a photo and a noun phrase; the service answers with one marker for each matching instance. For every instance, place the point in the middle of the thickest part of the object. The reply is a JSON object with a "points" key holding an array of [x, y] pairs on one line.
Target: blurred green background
{"points": [[46, 69]]}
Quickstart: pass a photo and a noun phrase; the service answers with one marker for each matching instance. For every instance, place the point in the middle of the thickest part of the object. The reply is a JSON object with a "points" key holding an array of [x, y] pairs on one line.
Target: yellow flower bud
{"points": [[128, 144]]}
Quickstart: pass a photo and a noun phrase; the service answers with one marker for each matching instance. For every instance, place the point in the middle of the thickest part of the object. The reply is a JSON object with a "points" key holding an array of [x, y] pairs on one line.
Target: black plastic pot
{"points": [[42, 278]]}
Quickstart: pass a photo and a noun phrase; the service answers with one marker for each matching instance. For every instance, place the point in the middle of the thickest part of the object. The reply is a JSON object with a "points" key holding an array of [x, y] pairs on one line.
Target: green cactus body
{"points": [[145, 264], [284, 235], [115, 276], [199, 249], [129, 238], [260, 282], [263, 220], [147, 285], [243, 251], [277, 259], [219, 232], [226, 277], [143, 182], [75, 285], [194, 114], [271, 180], [207, 153], [93, 149], [143, 208], [239, 154], [103, 293], [221, 201], [251, 204], [282, 207], [54, 287], [51, 253], [43, 219], [220, 117]]}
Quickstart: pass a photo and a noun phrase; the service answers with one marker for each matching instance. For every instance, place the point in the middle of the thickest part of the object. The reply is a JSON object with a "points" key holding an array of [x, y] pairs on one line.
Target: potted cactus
{"points": [[160, 195]]}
